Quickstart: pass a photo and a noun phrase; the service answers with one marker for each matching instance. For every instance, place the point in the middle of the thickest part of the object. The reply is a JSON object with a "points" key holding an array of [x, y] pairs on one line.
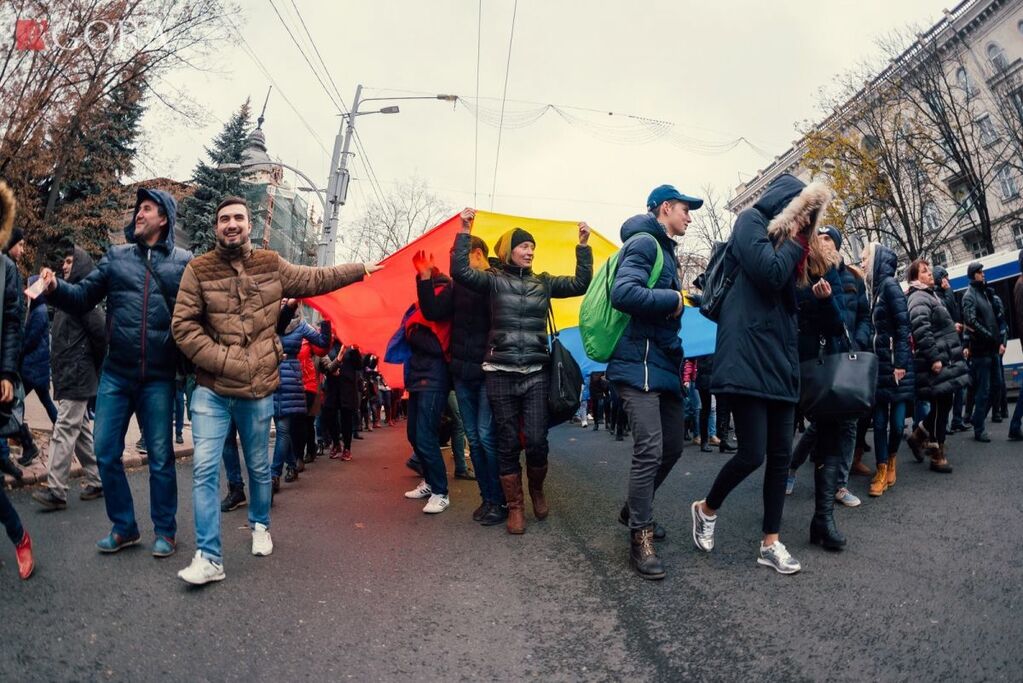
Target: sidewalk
{"points": [[39, 421]]}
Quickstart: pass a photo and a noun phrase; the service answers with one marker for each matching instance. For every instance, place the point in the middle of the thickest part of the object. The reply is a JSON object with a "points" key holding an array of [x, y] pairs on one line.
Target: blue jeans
{"points": [[179, 409], [921, 408], [889, 420], [424, 412], [985, 380], [457, 436], [212, 417], [152, 402], [958, 399], [232, 464], [1017, 415], [478, 420], [10, 519], [283, 451]]}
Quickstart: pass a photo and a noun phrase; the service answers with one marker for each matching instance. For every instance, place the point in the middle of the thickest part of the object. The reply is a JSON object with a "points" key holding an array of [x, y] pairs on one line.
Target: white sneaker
{"points": [[846, 498], [437, 503], [262, 544], [584, 424], [202, 571], [703, 528], [421, 491]]}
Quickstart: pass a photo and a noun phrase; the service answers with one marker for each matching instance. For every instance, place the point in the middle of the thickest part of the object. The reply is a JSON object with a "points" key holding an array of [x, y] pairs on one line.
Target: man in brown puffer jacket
{"points": [[225, 322]]}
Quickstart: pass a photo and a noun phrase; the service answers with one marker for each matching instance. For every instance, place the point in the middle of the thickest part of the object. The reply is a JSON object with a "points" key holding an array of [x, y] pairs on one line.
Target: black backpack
{"points": [[722, 269]]}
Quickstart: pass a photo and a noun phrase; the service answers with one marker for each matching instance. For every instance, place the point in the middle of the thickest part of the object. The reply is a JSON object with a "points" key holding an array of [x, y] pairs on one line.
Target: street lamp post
{"points": [[337, 184]]}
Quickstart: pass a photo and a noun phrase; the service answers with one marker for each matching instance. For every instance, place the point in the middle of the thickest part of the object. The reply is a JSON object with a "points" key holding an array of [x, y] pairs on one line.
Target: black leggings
{"points": [[705, 399], [762, 428], [936, 422]]}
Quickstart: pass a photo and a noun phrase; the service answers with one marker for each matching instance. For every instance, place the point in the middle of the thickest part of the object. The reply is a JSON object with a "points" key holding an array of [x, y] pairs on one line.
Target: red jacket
{"points": [[310, 375]]}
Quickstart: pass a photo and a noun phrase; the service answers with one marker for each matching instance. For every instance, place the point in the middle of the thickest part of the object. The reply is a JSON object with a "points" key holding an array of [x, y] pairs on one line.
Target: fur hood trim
{"points": [[7, 209], [813, 197]]}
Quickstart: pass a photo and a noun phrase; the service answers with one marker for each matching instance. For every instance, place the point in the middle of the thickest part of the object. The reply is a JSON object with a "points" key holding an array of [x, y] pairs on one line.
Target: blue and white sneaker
{"points": [[846, 498]]}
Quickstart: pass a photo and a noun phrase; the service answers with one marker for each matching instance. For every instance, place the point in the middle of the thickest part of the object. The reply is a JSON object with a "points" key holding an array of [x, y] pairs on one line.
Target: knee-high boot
{"points": [[822, 529]]}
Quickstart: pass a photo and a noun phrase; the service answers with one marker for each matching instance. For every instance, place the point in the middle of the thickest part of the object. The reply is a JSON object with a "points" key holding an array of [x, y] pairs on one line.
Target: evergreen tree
{"points": [[198, 212], [90, 202]]}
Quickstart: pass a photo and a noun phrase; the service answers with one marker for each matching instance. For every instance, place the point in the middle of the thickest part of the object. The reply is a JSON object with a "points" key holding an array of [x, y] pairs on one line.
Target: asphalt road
{"points": [[363, 586]]}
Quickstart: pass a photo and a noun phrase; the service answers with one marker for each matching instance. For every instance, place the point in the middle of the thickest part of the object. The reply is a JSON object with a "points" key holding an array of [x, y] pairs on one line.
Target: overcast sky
{"points": [[717, 70]]}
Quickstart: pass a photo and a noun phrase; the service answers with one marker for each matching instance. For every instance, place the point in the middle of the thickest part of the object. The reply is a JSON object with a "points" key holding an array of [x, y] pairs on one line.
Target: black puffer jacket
{"points": [[78, 343], [757, 345], [469, 313], [518, 302], [984, 318], [890, 315], [935, 339], [947, 296]]}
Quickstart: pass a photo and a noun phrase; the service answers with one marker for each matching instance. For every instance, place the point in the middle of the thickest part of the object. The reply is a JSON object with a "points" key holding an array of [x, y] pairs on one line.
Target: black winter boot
{"points": [[643, 555], [822, 529]]}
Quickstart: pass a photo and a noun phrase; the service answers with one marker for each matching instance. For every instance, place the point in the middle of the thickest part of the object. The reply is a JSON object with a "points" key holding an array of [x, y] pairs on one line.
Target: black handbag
{"points": [[838, 386], [12, 415], [566, 379]]}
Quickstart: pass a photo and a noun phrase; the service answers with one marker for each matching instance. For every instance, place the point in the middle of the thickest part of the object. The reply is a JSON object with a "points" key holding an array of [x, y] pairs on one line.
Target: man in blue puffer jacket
{"points": [[140, 282], [646, 365]]}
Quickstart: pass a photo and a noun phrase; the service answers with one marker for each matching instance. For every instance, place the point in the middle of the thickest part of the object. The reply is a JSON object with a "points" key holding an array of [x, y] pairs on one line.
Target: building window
{"points": [[939, 259], [963, 79], [997, 56], [1007, 182], [1017, 235], [976, 246], [964, 200], [1020, 26], [988, 134], [931, 220]]}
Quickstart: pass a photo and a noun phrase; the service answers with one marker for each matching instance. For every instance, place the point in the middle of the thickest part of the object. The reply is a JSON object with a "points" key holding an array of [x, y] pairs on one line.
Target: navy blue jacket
{"points": [[35, 365], [649, 355], [757, 347], [289, 399], [821, 318], [855, 308], [141, 347], [11, 334], [891, 330]]}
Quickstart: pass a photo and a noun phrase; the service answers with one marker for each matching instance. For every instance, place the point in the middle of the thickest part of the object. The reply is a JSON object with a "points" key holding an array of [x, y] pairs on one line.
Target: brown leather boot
{"points": [[880, 481], [939, 463], [857, 464], [917, 441], [891, 471], [511, 484], [536, 477]]}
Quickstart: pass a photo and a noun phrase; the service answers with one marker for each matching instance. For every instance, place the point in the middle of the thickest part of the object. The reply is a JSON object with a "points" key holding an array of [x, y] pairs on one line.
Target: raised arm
{"points": [[82, 297], [461, 271], [567, 286], [766, 266]]}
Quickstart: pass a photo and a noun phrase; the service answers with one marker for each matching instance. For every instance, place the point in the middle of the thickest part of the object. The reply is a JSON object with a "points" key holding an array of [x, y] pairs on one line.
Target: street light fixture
{"points": [[237, 168]]}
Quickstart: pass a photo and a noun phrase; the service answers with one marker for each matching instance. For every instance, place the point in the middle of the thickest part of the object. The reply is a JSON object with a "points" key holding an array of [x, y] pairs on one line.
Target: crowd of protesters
{"points": [[226, 329]]}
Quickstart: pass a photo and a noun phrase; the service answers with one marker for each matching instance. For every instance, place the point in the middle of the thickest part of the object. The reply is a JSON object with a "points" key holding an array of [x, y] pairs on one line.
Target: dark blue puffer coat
{"points": [[821, 318], [649, 355], [891, 329], [289, 399], [856, 308], [35, 365], [757, 341], [141, 347]]}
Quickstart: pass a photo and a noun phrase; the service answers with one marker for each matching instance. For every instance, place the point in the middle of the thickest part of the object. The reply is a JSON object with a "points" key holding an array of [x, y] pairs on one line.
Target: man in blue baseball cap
{"points": [[644, 367]]}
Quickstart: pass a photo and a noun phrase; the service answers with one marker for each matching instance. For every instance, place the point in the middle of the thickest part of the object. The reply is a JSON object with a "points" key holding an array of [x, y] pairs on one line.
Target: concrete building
{"points": [[979, 44]]}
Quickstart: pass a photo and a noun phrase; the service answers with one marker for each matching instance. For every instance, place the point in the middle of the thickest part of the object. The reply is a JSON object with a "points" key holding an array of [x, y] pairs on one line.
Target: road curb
{"points": [[36, 472]]}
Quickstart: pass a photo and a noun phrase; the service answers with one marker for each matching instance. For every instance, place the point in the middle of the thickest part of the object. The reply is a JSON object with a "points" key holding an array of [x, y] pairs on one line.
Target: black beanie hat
{"points": [[519, 236], [16, 236]]}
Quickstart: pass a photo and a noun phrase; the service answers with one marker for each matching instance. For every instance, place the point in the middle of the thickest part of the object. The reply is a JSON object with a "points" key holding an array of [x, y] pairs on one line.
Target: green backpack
{"points": [[601, 325]]}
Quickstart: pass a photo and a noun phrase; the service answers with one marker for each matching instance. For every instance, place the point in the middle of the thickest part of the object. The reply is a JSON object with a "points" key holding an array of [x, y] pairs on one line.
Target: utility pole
{"points": [[337, 184]]}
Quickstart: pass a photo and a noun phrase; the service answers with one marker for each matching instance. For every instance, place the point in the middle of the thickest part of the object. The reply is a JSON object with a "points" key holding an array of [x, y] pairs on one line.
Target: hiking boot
{"points": [[879, 484], [91, 492], [234, 499], [891, 470], [917, 441], [49, 500], [643, 555]]}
